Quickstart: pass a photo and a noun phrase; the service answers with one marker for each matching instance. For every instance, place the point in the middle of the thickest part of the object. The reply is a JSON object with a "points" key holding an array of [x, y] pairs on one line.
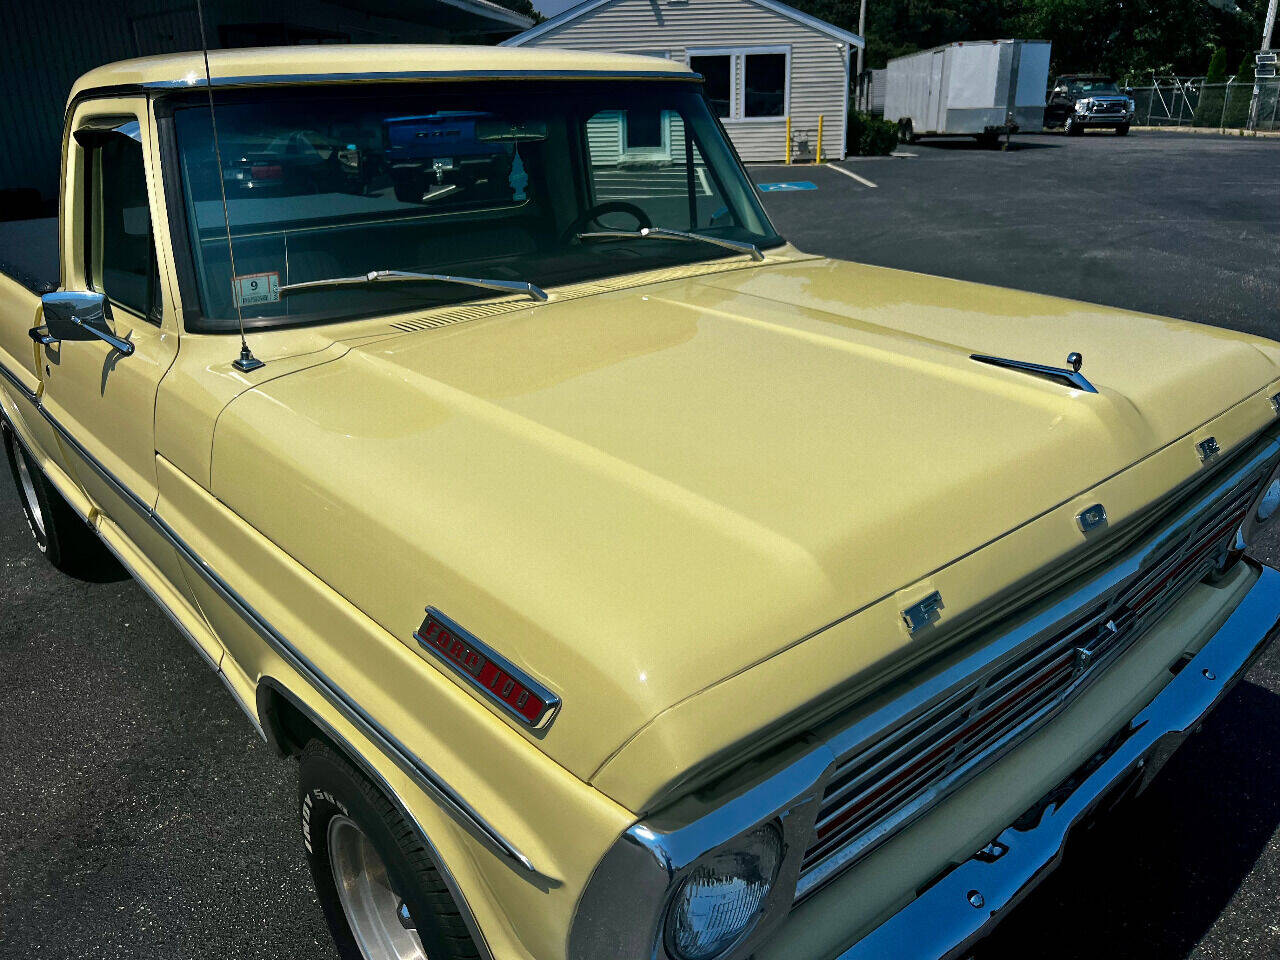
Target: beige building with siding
{"points": [[762, 62]]}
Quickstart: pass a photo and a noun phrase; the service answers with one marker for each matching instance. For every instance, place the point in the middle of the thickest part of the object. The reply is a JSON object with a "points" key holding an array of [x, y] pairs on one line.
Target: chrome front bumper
{"points": [[964, 906]]}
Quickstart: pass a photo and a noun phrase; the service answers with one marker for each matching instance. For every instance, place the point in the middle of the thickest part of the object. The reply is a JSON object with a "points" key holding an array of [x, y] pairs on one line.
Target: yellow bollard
{"points": [[788, 160], [819, 160]]}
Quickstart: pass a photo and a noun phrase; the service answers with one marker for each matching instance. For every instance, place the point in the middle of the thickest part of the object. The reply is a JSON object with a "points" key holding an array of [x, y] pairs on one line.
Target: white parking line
{"points": [[850, 173]]}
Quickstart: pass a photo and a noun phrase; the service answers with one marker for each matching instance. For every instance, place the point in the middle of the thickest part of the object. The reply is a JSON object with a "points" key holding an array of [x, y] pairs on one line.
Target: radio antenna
{"points": [[246, 361]]}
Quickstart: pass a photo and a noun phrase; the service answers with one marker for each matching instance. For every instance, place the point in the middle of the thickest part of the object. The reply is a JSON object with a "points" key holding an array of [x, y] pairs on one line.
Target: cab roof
{"points": [[354, 62]]}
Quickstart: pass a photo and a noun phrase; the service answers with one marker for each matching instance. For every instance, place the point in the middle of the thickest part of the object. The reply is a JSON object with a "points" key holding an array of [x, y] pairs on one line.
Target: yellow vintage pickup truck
{"points": [[629, 583]]}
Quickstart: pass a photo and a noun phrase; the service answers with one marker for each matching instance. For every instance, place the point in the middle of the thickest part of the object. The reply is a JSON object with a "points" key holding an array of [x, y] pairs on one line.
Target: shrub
{"points": [[870, 136]]}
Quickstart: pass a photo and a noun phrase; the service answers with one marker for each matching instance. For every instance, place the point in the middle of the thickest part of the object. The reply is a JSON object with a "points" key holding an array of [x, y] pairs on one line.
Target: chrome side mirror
{"points": [[78, 315]]}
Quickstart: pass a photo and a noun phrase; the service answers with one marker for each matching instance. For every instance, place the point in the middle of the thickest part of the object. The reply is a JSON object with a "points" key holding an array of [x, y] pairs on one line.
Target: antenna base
{"points": [[246, 362]]}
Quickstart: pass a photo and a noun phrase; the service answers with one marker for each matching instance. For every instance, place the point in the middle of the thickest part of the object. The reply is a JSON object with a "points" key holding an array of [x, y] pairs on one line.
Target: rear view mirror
{"points": [[510, 131], [78, 315]]}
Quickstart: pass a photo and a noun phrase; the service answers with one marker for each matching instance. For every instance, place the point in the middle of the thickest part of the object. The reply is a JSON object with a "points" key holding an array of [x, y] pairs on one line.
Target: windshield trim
{"points": [[193, 319]]}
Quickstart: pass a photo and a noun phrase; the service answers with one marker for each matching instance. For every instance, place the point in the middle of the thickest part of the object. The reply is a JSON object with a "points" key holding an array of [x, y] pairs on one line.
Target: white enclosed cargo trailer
{"points": [[980, 89]]}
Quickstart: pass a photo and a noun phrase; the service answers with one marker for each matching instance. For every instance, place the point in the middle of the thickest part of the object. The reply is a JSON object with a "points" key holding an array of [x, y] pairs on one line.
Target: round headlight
{"points": [[722, 897]]}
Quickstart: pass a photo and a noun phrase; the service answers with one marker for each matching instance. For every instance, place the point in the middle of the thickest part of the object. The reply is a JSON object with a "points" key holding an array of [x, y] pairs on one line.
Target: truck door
{"points": [[102, 400]]}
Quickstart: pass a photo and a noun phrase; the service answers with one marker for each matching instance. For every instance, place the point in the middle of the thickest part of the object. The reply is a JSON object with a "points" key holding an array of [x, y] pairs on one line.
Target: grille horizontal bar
{"points": [[878, 788]]}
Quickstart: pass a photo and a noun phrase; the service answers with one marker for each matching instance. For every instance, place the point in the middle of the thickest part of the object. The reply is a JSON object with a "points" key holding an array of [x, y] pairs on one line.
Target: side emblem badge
{"points": [[1091, 518], [520, 695], [922, 614], [1208, 449]]}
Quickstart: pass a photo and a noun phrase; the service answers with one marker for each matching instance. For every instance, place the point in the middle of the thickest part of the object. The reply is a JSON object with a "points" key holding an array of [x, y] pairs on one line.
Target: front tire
{"points": [[381, 892], [1122, 130], [1072, 128], [65, 540]]}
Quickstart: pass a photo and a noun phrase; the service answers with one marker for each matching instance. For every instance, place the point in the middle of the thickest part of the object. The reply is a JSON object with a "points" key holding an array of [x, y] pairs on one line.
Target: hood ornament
{"points": [[1072, 377]]}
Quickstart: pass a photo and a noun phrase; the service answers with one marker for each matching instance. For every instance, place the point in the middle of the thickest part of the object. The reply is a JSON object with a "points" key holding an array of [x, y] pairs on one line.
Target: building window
{"points": [[765, 83], [644, 129], [751, 83], [716, 72]]}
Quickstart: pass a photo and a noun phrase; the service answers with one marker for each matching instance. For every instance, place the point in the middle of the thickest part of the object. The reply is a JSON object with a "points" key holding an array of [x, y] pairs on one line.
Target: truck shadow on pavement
{"points": [[1156, 875]]}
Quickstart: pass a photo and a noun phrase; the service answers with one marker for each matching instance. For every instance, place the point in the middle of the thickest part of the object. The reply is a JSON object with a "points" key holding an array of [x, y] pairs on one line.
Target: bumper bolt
{"points": [[976, 900], [1209, 674]]}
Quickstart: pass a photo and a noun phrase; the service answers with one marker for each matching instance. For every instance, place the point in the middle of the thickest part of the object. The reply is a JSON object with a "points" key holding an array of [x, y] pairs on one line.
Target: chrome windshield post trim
{"points": [[413, 766], [942, 921]]}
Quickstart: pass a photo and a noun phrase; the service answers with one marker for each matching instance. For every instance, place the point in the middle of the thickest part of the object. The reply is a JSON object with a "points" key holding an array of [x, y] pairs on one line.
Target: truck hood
{"points": [[637, 494]]}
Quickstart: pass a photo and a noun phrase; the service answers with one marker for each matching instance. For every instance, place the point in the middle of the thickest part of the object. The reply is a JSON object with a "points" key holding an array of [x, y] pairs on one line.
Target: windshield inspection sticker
{"points": [[793, 185], [257, 288]]}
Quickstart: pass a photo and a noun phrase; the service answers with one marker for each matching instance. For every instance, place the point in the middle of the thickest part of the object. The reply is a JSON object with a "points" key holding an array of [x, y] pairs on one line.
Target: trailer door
{"points": [[937, 96]]}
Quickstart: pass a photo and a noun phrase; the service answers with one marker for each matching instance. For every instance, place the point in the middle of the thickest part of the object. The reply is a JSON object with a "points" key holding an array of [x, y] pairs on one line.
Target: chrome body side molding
{"points": [[427, 779], [1067, 376], [948, 918], [17, 384]]}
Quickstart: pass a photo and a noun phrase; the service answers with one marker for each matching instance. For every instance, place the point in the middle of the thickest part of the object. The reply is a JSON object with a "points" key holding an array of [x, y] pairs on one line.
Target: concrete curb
{"points": [[1213, 131]]}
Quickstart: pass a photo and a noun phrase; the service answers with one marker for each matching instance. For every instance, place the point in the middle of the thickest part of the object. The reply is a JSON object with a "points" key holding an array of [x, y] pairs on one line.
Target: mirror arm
{"points": [[124, 346], [42, 336]]}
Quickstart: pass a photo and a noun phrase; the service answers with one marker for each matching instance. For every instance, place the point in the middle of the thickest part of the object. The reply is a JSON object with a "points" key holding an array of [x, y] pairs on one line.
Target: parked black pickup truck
{"points": [[1076, 102]]}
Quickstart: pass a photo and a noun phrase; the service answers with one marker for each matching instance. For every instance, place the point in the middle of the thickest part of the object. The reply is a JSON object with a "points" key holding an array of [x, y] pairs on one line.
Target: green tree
{"points": [[1217, 72], [1129, 40], [1210, 106]]}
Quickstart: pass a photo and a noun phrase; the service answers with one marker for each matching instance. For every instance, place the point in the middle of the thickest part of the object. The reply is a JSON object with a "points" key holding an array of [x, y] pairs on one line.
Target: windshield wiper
{"points": [[663, 233], [530, 290]]}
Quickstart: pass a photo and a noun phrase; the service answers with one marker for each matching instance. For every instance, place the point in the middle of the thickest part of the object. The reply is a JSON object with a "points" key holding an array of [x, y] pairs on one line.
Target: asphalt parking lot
{"points": [[141, 817]]}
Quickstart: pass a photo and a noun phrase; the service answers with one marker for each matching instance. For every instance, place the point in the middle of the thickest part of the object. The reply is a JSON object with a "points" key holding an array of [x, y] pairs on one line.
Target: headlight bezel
{"points": [[772, 830], [1246, 534], [624, 908]]}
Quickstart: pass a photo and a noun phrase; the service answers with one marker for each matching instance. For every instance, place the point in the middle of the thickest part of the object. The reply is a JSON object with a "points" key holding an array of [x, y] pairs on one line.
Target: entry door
{"points": [[105, 401]]}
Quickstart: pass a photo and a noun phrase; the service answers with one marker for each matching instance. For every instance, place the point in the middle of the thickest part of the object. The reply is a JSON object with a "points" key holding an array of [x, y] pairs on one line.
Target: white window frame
{"points": [[660, 152], [738, 78]]}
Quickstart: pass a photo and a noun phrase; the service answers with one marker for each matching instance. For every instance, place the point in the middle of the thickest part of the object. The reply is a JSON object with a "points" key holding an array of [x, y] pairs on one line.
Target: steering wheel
{"points": [[599, 210]]}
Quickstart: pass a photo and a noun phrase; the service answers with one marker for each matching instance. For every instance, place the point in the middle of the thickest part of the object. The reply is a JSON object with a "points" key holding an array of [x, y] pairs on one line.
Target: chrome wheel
{"points": [[34, 513], [376, 914]]}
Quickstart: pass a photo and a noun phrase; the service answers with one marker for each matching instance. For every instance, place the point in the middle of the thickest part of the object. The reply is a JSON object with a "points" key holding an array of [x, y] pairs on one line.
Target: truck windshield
{"points": [[1091, 87], [488, 180]]}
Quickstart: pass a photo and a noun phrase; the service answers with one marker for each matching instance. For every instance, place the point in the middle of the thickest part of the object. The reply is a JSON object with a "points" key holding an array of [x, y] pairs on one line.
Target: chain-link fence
{"points": [[1230, 106]]}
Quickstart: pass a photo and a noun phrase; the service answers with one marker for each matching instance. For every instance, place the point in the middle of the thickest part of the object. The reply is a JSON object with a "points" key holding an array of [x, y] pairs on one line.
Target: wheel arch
{"points": [[289, 724]]}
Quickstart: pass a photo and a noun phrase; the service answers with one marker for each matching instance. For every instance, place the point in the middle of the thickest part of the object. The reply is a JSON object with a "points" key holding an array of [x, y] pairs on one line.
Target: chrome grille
{"points": [[1109, 106], [877, 789]]}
